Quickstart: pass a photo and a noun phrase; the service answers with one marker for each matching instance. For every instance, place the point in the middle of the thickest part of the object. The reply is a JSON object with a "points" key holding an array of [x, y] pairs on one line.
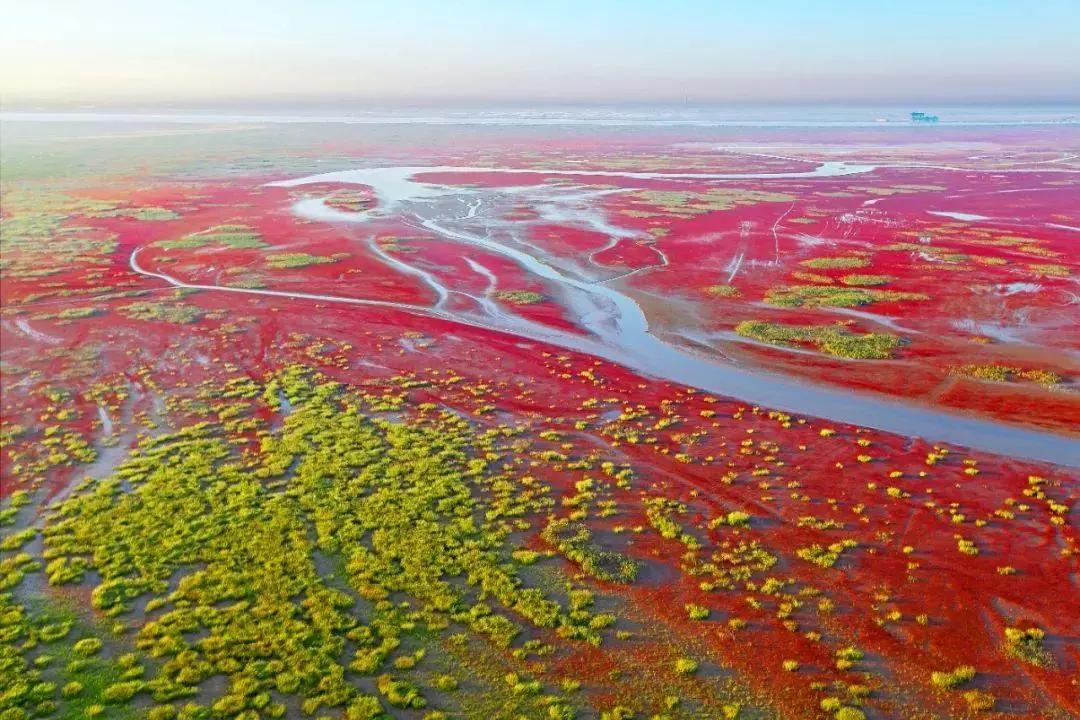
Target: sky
{"points": [[533, 51]]}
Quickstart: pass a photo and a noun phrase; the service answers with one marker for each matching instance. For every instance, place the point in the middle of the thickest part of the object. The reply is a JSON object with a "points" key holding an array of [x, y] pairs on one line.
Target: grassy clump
{"points": [[122, 692], [831, 339], [857, 279], [723, 291], [573, 541], [737, 518], [249, 283], [829, 296], [846, 657], [697, 612], [240, 241], [812, 277], [979, 701], [833, 263], [954, 679], [178, 313], [825, 557], [1006, 373], [234, 236], [1049, 269], [849, 713], [72, 313], [400, 693], [288, 261], [685, 666], [87, 647], [350, 201], [150, 214], [189, 242], [1027, 645], [519, 297], [681, 204]]}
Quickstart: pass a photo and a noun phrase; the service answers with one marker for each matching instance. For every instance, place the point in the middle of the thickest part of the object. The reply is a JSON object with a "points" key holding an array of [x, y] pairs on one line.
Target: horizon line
{"points": [[359, 102]]}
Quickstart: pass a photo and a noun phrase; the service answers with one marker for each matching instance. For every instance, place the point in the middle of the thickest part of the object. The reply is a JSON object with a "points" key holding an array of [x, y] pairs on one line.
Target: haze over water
{"points": [[630, 115]]}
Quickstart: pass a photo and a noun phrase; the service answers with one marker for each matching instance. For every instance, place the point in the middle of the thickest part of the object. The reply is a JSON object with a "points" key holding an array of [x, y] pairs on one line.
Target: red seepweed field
{"points": [[355, 423]]}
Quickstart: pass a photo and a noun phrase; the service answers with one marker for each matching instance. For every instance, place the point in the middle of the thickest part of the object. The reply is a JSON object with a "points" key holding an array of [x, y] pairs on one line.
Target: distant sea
{"points": [[615, 116]]}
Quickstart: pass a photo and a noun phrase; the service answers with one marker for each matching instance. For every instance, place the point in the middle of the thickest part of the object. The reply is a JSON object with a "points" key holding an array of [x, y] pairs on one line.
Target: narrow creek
{"points": [[618, 329]]}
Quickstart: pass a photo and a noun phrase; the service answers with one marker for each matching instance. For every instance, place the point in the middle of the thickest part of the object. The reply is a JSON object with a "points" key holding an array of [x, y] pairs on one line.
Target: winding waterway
{"points": [[617, 328]]}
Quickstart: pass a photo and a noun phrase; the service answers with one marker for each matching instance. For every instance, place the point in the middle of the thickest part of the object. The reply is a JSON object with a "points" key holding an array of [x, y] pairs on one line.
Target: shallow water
{"points": [[618, 328], [967, 217]]}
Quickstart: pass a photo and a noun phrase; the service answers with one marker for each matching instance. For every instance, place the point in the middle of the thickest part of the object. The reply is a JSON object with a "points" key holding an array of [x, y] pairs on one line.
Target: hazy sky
{"points": [[539, 50]]}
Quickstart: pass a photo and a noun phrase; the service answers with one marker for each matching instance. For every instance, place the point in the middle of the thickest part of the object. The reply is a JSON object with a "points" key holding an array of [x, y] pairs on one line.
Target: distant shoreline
{"points": [[840, 117]]}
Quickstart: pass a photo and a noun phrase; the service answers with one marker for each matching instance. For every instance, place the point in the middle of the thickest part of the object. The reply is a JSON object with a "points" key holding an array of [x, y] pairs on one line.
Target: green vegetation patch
{"points": [[1027, 645], [285, 261], [38, 238], [812, 277], [320, 569], [519, 297], [235, 236], [1049, 269], [819, 295], [831, 339], [150, 214], [70, 314], [948, 680], [173, 312], [857, 279], [834, 263], [825, 557], [350, 200], [246, 282], [189, 242], [51, 662], [574, 541], [723, 291], [659, 203], [1007, 373]]}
